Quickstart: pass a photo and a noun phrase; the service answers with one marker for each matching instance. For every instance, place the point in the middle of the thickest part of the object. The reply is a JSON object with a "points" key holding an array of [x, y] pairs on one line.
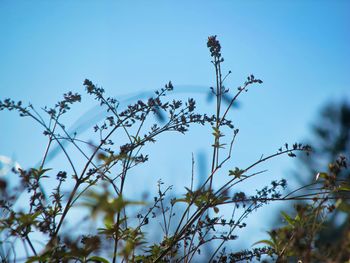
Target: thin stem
{"points": [[31, 245], [216, 137], [244, 215], [79, 181], [163, 212], [224, 187]]}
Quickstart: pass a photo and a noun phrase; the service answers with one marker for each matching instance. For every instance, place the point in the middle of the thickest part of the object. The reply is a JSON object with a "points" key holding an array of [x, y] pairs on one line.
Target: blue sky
{"points": [[300, 49]]}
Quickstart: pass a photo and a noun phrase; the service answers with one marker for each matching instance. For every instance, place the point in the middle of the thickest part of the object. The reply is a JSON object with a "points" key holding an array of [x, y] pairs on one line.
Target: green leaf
{"points": [[97, 259], [185, 200], [288, 218], [265, 241], [236, 172], [105, 204], [344, 187], [321, 175], [28, 219], [342, 206], [36, 259], [39, 173], [216, 132], [106, 231]]}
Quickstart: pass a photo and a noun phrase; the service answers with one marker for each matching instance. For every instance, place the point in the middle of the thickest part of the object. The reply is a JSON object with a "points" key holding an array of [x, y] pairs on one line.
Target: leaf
{"points": [[40, 173], [342, 206], [36, 259], [217, 133], [265, 241], [344, 187], [290, 154], [105, 204], [236, 172], [216, 210], [97, 259], [106, 231], [174, 201], [288, 218], [321, 175], [28, 219]]}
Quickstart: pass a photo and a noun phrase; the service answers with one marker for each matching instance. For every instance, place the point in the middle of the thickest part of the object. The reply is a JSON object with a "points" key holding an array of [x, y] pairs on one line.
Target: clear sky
{"points": [[300, 49]]}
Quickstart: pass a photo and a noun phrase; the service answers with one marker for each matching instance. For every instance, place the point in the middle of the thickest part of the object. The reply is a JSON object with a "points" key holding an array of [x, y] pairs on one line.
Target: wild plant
{"points": [[189, 222]]}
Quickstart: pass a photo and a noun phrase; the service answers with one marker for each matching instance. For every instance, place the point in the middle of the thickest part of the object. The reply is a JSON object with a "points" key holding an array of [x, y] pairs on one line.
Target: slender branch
{"points": [[79, 180], [31, 245]]}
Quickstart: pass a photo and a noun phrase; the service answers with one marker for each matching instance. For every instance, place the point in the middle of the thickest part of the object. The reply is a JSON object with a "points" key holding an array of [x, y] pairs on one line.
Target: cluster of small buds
{"points": [[214, 46]]}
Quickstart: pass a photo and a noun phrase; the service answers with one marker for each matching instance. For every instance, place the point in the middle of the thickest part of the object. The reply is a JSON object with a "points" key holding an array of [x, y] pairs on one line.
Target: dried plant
{"points": [[189, 222]]}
